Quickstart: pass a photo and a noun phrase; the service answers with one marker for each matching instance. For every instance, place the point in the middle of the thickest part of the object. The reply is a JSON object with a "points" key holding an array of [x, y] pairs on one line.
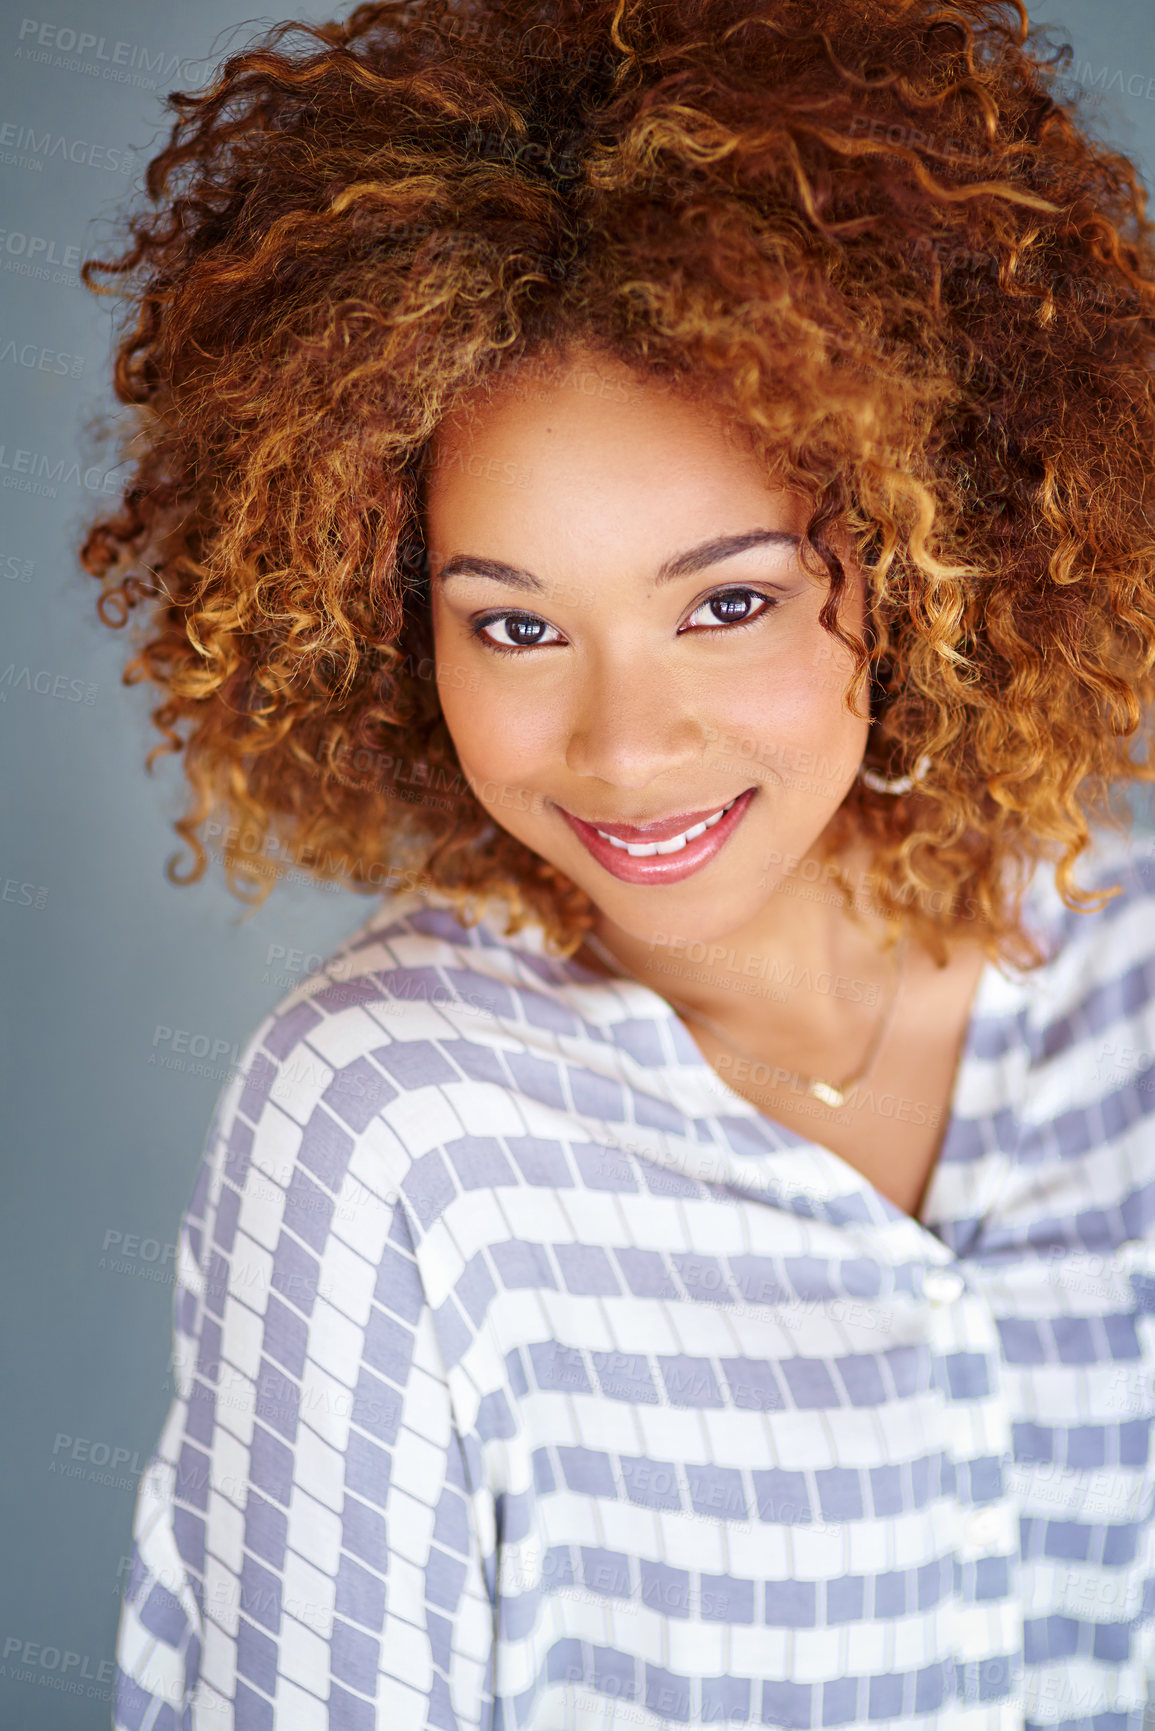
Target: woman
{"points": [[662, 492]]}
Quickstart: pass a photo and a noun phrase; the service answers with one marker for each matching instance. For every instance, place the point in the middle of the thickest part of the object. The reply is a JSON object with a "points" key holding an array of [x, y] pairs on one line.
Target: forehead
{"points": [[578, 382], [586, 420]]}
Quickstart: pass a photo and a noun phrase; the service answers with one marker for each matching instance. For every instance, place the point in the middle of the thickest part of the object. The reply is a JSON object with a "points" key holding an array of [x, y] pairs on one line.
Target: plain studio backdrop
{"points": [[127, 998]]}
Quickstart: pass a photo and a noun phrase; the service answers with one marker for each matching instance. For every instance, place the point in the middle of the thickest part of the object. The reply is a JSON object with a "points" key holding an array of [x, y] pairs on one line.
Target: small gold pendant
{"points": [[828, 1095]]}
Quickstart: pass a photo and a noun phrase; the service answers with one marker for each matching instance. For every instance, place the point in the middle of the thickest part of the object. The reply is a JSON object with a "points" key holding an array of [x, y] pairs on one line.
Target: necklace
{"points": [[830, 1093]]}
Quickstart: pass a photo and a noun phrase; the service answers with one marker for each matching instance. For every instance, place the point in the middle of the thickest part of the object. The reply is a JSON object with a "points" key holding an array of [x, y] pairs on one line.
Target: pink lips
{"points": [[662, 830], [659, 868]]}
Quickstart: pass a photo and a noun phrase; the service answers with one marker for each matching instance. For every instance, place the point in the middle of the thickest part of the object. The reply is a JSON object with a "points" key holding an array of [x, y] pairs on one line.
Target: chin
{"points": [[698, 919]]}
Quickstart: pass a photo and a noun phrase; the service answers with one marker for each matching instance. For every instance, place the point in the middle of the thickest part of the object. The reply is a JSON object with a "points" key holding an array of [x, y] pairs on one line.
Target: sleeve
{"points": [[305, 1543]]}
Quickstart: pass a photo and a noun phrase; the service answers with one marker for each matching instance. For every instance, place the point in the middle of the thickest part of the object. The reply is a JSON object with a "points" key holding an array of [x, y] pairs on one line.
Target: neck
{"points": [[803, 956]]}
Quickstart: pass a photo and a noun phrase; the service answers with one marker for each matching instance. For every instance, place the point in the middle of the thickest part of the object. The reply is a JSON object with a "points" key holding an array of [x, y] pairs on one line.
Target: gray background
{"points": [[109, 968]]}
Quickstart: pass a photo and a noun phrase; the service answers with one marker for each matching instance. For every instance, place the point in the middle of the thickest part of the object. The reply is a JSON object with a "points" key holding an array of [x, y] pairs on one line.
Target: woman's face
{"points": [[626, 640]]}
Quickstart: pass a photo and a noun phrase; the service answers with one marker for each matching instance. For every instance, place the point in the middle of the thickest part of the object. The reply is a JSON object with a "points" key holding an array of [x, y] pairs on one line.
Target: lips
{"points": [[663, 829], [642, 849], [641, 854]]}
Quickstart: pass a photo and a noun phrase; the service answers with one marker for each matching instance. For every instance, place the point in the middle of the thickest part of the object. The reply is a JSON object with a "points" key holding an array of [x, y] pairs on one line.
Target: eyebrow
{"points": [[679, 565]]}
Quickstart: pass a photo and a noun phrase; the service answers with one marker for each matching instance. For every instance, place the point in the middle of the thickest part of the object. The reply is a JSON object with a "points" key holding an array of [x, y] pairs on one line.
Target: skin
{"points": [[638, 703]]}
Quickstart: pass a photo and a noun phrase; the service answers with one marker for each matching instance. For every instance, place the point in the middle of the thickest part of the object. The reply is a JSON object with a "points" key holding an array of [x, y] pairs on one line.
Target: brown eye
{"points": [[525, 632], [521, 631], [733, 607]]}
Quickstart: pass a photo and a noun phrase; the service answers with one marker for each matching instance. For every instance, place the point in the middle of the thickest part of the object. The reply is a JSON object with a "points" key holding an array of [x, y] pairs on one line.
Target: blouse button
{"points": [[983, 1526], [942, 1285]]}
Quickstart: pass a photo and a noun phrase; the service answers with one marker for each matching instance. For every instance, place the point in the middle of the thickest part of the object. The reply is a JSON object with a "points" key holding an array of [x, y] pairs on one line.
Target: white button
{"points": [[942, 1285], [984, 1526]]}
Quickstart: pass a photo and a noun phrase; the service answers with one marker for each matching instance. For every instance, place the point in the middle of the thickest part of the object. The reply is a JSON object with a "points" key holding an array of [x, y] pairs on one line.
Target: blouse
{"points": [[527, 1377]]}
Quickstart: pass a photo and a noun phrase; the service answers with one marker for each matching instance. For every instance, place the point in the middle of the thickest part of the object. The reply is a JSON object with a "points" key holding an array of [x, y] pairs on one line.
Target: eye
{"points": [[730, 607], [522, 631]]}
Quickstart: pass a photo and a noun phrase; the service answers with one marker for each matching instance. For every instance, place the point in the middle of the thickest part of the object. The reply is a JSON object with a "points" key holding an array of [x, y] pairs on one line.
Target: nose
{"points": [[631, 724]]}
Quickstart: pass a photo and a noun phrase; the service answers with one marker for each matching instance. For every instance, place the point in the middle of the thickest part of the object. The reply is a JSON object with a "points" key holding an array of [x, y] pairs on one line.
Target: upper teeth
{"points": [[640, 849]]}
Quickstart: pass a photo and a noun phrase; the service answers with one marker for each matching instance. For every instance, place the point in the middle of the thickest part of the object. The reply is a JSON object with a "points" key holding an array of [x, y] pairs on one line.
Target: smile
{"points": [[642, 849], [672, 854]]}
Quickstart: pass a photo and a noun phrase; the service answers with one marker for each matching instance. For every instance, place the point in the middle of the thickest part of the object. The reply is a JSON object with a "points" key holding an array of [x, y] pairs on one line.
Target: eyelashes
{"points": [[521, 620], [482, 626]]}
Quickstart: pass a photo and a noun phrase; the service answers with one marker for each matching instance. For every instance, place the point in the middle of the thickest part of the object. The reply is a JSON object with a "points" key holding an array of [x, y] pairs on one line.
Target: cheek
{"points": [[501, 755], [499, 729], [789, 729], [789, 688], [795, 707]]}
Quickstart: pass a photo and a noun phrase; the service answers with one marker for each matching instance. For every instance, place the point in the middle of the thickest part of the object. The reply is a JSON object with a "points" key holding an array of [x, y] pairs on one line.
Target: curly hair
{"points": [[877, 232]]}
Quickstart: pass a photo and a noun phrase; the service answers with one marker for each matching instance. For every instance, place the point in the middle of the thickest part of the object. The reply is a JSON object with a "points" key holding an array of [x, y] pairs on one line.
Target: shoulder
{"points": [[1093, 943], [1094, 995], [373, 1070]]}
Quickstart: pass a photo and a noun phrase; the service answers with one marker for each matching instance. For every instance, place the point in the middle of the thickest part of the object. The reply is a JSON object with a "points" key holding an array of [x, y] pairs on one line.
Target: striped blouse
{"points": [[530, 1378]]}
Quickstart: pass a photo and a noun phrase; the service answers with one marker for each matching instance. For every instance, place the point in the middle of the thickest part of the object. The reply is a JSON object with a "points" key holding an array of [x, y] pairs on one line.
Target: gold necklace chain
{"points": [[830, 1093]]}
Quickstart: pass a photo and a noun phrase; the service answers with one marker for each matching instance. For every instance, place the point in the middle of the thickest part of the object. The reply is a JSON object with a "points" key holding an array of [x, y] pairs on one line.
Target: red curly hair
{"points": [[875, 232]]}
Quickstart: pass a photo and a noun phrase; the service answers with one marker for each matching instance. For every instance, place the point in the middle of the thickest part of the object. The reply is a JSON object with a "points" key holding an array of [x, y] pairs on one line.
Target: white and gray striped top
{"points": [[529, 1378]]}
